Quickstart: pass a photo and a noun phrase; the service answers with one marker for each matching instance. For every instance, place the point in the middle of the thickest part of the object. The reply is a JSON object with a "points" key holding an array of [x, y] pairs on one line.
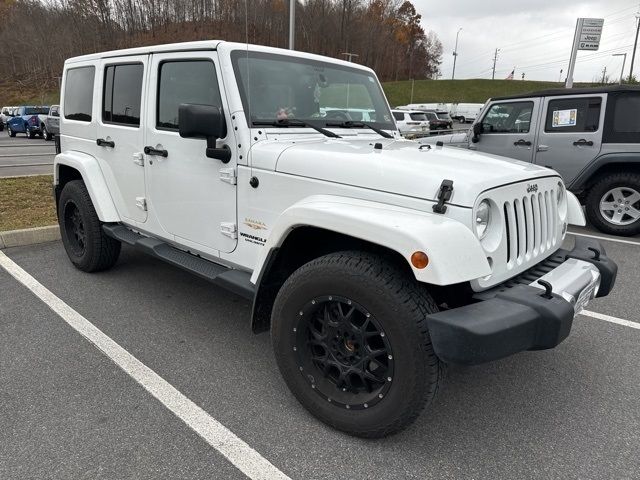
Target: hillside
{"points": [[455, 91], [398, 93]]}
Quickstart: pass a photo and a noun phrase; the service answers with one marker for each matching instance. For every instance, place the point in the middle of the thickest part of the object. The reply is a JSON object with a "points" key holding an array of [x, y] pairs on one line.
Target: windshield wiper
{"points": [[352, 124], [294, 122]]}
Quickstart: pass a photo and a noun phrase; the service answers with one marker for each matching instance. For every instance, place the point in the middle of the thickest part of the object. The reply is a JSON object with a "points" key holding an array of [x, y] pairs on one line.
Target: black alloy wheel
{"points": [[343, 352], [74, 227]]}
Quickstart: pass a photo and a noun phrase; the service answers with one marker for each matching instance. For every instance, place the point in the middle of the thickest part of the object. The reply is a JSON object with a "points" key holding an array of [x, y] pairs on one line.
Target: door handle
{"points": [[101, 142], [522, 143], [542, 148], [582, 142], [156, 152]]}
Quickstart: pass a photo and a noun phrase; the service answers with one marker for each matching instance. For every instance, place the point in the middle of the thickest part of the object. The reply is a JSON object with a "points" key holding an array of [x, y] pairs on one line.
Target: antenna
{"points": [[248, 112]]}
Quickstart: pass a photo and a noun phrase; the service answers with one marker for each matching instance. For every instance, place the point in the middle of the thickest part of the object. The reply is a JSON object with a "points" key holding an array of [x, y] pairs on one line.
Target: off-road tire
{"points": [[595, 194], [398, 303], [98, 251]]}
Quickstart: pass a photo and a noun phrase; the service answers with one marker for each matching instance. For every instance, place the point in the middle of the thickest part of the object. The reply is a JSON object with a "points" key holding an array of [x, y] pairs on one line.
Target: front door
{"points": [[571, 134], [120, 135], [187, 193], [508, 129]]}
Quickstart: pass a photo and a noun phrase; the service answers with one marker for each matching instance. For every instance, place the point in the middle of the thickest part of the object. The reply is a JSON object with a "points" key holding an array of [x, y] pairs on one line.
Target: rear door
{"points": [[571, 133], [120, 134], [509, 129]]}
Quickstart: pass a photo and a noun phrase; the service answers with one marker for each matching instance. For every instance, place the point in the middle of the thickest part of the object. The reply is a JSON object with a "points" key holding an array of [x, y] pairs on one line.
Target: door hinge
{"points": [[229, 229], [138, 158], [228, 175], [141, 203]]}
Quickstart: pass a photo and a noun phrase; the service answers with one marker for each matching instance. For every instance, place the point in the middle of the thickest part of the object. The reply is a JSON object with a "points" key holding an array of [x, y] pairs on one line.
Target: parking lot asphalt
{"points": [[25, 156], [69, 412]]}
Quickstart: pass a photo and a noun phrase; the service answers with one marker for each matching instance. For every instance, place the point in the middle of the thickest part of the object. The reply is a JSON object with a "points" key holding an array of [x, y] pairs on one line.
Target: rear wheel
{"points": [[351, 341], [613, 204], [10, 132], [28, 132], [87, 246], [45, 133], [462, 120]]}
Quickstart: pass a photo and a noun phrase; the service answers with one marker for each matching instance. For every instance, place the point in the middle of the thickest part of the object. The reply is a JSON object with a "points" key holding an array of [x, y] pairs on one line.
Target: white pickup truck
{"points": [[373, 260]]}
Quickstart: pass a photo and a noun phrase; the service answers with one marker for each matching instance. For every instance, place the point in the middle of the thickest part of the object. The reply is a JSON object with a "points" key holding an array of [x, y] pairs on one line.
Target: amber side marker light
{"points": [[419, 260]]}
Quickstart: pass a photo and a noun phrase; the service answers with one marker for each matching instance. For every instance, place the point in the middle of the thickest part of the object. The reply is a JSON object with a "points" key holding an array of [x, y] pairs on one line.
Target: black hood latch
{"points": [[444, 194]]}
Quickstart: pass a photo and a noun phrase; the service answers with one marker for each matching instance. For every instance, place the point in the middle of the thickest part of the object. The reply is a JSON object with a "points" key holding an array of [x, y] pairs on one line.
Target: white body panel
{"points": [[347, 185]]}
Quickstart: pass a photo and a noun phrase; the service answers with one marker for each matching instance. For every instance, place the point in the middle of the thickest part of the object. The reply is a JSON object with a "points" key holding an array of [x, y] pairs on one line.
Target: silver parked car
{"points": [[590, 136], [51, 123]]}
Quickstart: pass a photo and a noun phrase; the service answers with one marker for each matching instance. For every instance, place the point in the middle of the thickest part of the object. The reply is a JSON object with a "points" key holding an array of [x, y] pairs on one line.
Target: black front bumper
{"points": [[518, 317]]}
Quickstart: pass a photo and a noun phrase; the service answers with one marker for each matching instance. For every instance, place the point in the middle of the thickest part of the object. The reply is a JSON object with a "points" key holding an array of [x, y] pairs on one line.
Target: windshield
{"points": [[284, 87], [36, 110]]}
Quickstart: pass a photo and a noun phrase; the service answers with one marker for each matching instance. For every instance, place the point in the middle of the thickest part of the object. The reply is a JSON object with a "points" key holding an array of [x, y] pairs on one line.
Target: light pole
{"points": [[624, 60], [350, 56], [455, 55], [292, 23]]}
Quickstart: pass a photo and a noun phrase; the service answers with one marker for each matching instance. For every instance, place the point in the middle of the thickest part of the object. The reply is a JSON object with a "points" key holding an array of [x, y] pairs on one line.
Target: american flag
{"points": [[510, 76]]}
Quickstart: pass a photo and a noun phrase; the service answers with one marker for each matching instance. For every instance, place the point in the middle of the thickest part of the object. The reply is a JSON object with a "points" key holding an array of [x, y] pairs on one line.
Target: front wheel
{"points": [[613, 204], [462, 120], [87, 246], [350, 338]]}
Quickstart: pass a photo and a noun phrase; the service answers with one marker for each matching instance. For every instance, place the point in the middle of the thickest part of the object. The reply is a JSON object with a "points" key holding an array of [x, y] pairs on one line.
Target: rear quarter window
{"points": [[78, 93], [622, 124]]}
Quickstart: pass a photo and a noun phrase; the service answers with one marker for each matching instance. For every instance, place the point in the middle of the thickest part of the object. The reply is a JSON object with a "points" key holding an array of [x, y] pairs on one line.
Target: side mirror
{"points": [[477, 130], [204, 121]]}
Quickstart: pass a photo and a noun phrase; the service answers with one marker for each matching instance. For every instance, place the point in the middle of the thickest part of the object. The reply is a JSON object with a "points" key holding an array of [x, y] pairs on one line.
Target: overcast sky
{"points": [[533, 36]]}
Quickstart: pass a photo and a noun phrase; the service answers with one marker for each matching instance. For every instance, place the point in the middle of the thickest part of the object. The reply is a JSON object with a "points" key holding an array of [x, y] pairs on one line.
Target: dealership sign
{"points": [[590, 33]]}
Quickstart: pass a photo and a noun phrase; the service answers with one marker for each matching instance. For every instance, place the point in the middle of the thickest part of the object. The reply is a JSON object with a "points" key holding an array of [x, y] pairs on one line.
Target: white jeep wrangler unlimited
{"points": [[373, 260]]}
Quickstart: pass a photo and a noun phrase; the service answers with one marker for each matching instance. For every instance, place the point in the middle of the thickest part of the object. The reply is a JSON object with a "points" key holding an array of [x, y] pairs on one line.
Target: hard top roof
{"points": [[554, 92]]}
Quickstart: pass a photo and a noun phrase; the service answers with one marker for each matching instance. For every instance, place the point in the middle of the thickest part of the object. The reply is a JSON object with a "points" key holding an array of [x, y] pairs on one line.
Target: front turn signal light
{"points": [[419, 260]]}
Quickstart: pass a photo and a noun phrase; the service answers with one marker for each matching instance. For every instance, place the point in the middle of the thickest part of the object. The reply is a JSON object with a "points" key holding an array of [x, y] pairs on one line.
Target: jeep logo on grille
{"points": [[532, 187]]}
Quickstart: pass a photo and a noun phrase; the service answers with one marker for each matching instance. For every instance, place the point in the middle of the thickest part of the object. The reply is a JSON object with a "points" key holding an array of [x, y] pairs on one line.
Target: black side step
{"points": [[237, 281]]}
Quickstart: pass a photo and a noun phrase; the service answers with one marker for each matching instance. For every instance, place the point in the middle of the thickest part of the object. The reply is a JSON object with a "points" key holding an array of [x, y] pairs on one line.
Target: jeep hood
{"points": [[403, 168]]}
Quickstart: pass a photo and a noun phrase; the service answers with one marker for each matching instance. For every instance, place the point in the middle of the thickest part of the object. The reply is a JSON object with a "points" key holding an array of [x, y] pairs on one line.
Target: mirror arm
{"points": [[223, 154]]}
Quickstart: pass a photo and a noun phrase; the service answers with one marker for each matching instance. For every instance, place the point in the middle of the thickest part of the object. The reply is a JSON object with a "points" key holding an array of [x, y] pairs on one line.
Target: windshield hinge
{"points": [[228, 175], [444, 194], [229, 229]]}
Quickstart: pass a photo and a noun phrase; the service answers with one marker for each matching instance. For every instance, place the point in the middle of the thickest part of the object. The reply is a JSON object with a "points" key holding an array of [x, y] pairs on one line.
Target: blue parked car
{"points": [[27, 120]]}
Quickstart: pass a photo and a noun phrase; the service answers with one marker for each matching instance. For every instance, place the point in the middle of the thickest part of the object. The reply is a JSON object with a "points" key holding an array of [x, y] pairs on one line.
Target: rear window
{"points": [[122, 94], [623, 118], [78, 97], [443, 116], [580, 114], [418, 117], [36, 110], [398, 116], [431, 116]]}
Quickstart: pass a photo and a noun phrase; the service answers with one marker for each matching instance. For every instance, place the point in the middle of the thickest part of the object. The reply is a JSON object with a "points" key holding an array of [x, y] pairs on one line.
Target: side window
{"points": [[398, 116], [192, 81], [54, 112], [578, 114], [513, 117], [623, 121], [122, 94], [78, 98]]}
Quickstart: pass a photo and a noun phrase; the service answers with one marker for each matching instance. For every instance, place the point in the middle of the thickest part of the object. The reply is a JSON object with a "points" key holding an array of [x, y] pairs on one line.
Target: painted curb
{"points": [[29, 236]]}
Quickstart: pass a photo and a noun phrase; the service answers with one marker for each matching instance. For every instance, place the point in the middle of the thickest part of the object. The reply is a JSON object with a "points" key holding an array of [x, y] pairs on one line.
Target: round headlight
{"points": [[482, 218]]}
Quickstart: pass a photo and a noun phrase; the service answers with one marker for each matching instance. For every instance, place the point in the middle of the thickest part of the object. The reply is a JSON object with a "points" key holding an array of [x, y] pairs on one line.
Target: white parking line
{"points": [[609, 239], [609, 318], [240, 454]]}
